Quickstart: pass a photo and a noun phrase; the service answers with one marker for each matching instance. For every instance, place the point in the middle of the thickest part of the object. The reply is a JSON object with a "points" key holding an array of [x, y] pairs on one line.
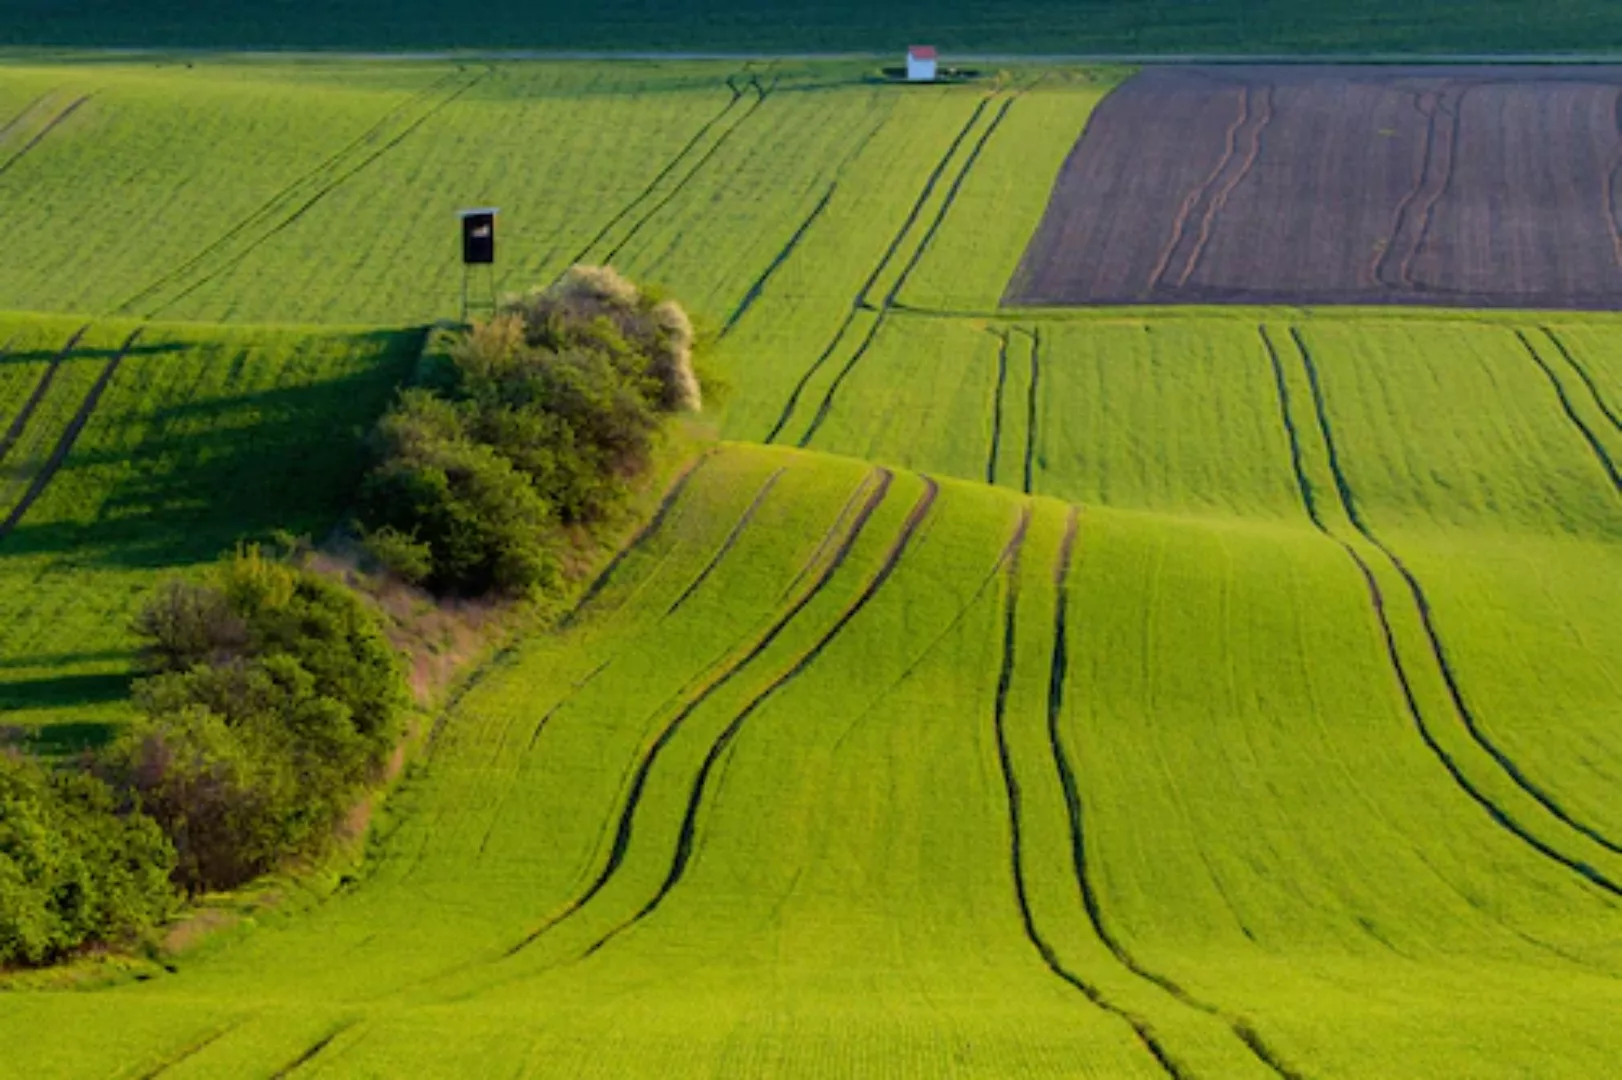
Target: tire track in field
{"points": [[1608, 191], [860, 302], [19, 423], [39, 136], [1588, 379], [188, 1052], [1179, 223], [313, 1051], [276, 215], [1425, 105], [1032, 401], [761, 93], [759, 285], [1399, 667], [996, 405], [1016, 844], [11, 125], [686, 841], [1219, 200], [1058, 678], [718, 677], [1602, 455], [726, 544], [1429, 202], [70, 435], [889, 299]]}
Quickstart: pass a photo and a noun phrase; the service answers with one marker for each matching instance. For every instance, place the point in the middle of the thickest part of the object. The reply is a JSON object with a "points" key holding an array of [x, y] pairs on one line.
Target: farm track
{"points": [[39, 136], [1398, 666], [1220, 200], [687, 838], [1179, 221], [726, 545], [1608, 187], [696, 694], [1011, 790], [295, 200], [887, 303], [188, 1052], [1433, 196], [1586, 376], [1602, 455], [22, 114], [758, 286], [996, 405], [313, 1051], [19, 423], [1032, 403], [1058, 678], [859, 303], [64, 445]]}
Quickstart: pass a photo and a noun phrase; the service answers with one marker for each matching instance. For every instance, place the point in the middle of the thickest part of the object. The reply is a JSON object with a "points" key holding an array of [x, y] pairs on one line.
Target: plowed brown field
{"points": [[1452, 186]]}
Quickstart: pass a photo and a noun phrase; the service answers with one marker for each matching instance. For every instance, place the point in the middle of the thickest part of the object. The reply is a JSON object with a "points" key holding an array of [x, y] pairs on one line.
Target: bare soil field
{"points": [[1448, 186]]}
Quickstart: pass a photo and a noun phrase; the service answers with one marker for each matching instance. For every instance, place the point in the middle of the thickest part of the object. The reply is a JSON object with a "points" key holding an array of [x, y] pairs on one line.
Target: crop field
{"points": [[1189, 690]]}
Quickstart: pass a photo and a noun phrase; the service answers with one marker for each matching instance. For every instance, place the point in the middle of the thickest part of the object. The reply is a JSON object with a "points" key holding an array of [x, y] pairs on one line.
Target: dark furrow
{"points": [[1179, 223], [726, 544], [39, 136], [996, 406], [1219, 200], [65, 444], [669, 167], [872, 278], [1399, 218], [685, 841], [321, 193], [1455, 694], [1405, 270], [1016, 843], [1031, 402], [22, 114], [639, 778], [760, 283], [906, 271], [681, 185], [1602, 455], [834, 531], [1587, 378], [314, 1051], [188, 1052], [269, 207], [20, 422], [1058, 675]]}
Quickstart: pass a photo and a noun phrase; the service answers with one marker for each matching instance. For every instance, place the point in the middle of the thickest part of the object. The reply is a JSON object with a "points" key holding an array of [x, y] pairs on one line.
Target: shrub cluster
{"points": [[276, 697], [538, 418], [74, 867]]}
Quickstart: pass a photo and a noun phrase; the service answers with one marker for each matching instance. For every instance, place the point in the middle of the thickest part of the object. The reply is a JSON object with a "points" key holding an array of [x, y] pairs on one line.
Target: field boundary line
{"points": [[996, 403], [890, 296], [859, 303], [1394, 655], [696, 693], [1016, 845], [1587, 378], [70, 435], [1058, 679], [19, 423], [686, 841], [50, 126], [1601, 454]]}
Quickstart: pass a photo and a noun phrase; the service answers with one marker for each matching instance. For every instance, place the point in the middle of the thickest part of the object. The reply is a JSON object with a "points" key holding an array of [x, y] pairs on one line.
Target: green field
{"points": [[1181, 692]]}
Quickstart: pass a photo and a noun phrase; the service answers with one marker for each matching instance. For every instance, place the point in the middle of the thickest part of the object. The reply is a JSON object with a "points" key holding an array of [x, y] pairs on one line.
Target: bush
{"points": [[74, 869]]}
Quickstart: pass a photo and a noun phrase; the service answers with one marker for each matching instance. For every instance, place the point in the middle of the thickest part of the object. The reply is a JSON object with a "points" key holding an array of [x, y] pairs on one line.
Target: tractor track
{"points": [[719, 676], [996, 405], [188, 1052], [859, 304], [1405, 269], [1608, 181], [1032, 402], [1588, 379], [726, 545], [1219, 200], [39, 136], [1016, 845], [1399, 668], [22, 114], [889, 299], [19, 423], [687, 838], [1179, 222], [1058, 677], [758, 286], [70, 435], [1602, 455], [313, 1051], [1425, 105]]}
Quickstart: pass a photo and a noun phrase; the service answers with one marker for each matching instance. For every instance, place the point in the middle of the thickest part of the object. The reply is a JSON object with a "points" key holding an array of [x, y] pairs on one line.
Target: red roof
{"points": [[921, 52]]}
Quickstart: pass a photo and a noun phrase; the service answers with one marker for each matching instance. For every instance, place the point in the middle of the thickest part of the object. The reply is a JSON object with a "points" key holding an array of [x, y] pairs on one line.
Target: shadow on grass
{"points": [[63, 691]]}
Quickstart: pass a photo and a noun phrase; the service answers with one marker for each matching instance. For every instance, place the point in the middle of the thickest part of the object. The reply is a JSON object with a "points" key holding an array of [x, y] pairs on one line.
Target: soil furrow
{"points": [[1032, 401], [1438, 655], [759, 285], [713, 682], [1179, 222], [906, 271], [1016, 845], [19, 423], [64, 445], [996, 406], [1587, 378], [686, 839], [872, 278], [726, 544], [39, 136], [1601, 454], [1220, 200]]}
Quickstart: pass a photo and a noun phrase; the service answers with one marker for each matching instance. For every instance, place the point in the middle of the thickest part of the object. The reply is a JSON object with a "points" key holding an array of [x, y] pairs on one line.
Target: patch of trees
{"points": [[526, 425]]}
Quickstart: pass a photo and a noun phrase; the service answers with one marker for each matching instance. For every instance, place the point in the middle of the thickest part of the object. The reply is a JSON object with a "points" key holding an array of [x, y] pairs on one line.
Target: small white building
{"points": [[921, 63]]}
